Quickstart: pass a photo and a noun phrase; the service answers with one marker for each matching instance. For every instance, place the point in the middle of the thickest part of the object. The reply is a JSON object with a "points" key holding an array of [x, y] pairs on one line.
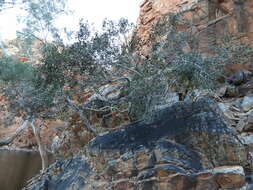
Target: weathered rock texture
{"points": [[216, 16], [182, 149]]}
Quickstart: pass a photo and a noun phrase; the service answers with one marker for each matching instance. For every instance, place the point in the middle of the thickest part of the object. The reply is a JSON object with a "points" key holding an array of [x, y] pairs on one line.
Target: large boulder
{"points": [[182, 149]]}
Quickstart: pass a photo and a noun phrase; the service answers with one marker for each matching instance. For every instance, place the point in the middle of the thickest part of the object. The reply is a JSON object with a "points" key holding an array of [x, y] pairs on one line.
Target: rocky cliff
{"points": [[223, 16], [188, 146]]}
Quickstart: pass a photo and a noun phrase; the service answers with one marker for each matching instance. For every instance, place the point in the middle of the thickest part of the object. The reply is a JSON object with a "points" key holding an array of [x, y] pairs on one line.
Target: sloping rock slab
{"points": [[177, 151], [199, 126], [181, 118], [67, 174]]}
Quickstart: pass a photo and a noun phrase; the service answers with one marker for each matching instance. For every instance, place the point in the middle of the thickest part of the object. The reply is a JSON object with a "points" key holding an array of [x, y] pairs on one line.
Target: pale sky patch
{"points": [[92, 10]]}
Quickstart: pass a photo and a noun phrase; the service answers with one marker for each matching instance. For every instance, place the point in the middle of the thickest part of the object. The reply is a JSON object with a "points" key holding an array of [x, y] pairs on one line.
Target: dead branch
{"points": [[212, 22], [128, 69], [16, 134], [82, 115], [43, 153]]}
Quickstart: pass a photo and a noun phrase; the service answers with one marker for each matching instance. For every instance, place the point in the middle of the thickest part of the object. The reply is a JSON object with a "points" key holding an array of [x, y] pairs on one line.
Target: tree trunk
{"points": [[42, 150]]}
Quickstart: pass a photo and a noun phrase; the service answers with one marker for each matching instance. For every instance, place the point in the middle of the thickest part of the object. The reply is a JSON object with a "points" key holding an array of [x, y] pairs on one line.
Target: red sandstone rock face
{"points": [[238, 16], [189, 147]]}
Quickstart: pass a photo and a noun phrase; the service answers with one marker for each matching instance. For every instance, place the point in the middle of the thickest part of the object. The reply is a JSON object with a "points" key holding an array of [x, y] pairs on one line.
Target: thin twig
{"points": [[129, 69]]}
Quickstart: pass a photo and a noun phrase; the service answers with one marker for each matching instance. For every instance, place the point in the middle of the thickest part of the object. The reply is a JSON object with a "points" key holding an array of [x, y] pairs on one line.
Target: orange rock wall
{"points": [[238, 15], [152, 10]]}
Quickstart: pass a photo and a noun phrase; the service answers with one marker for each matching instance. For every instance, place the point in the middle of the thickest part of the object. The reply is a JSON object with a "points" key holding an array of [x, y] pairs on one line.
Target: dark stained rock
{"points": [[176, 151], [199, 126], [181, 118], [238, 78], [67, 174]]}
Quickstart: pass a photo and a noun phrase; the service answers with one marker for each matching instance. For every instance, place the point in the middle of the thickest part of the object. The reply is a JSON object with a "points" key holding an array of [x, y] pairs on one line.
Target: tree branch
{"points": [[82, 115], [27, 35], [128, 69], [212, 22], [43, 153], [16, 134]]}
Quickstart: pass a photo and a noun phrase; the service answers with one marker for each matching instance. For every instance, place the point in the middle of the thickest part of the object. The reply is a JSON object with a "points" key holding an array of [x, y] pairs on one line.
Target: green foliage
{"points": [[233, 51], [23, 85], [179, 56], [146, 91], [11, 70], [88, 62], [29, 101], [191, 71], [39, 21], [52, 68], [8, 4], [25, 47], [182, 60], [33, 89], [176, 63]]}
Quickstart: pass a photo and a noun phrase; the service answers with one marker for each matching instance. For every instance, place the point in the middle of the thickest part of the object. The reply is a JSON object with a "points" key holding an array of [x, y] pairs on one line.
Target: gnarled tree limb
{"points": [[42, 150], [9, 140]]}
